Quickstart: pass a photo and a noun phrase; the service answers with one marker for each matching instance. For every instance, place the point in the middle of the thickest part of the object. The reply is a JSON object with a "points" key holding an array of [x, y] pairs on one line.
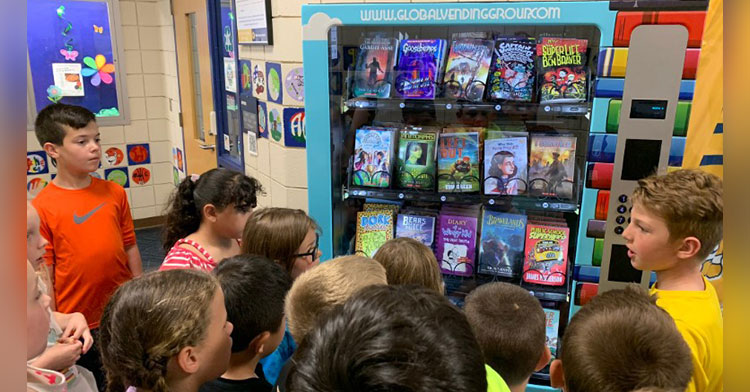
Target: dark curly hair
{"points": [[220, 187]]}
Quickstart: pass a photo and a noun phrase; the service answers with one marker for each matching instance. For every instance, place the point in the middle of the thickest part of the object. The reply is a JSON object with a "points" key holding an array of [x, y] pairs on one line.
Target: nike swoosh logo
{"points": [[80, 219]]}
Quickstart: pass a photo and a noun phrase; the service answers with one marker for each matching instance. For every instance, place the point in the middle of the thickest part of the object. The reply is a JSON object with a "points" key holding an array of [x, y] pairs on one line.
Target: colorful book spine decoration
{"points": [[546, 255], [372, 72], [502, 244], [458, 162], [467, 67], [418, 227], [416, 159], [552, 325], [456, 244], [374, 228], [552, 166], [373, 151], [505, 164], [419, 66], [562, 75], [512, 72]]}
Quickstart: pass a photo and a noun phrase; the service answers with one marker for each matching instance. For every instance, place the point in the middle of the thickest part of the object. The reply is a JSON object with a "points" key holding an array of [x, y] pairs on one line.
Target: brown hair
{"points": [[621, 341], [408, 261], [149, 320], [320, 289], [277, 234], [689, 201], [509, 324]]}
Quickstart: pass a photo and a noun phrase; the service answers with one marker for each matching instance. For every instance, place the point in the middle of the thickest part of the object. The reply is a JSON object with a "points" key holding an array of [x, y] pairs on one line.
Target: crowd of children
{"points": [[242, 301]]}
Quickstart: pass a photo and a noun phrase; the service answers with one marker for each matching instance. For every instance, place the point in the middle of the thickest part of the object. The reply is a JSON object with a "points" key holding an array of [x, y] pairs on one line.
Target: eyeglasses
{"points": [[314, 252]]}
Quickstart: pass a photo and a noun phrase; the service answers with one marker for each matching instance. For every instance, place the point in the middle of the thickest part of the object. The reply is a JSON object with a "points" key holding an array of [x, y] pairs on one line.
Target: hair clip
{"points": [[194, 177]]}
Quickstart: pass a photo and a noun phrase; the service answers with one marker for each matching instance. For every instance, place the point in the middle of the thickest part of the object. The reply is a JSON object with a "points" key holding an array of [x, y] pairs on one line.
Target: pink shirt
{"points": [[186, 257]]}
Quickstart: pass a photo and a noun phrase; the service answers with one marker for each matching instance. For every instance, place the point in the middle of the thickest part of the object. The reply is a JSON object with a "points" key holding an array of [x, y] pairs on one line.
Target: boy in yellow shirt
{"points": [[676, 223]]}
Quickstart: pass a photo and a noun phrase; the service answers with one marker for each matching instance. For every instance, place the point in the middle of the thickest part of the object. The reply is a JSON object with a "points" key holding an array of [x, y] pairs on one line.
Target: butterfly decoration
{"points": [[69, 54], [98, 29], [98, 69]]}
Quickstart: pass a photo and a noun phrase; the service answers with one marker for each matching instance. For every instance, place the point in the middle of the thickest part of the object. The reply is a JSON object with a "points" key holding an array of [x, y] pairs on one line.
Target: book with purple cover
{"points": [[456, 244], [419, 64], [418, 227]]}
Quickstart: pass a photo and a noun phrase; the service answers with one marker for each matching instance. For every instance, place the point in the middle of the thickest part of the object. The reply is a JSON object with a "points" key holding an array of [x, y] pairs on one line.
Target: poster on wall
{"points": [[67, 77], [254, 22], [230, 74]]}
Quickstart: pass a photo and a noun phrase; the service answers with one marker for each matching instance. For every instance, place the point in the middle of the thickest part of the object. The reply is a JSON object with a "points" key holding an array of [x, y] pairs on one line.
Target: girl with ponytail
{"points": [[206, 217]]}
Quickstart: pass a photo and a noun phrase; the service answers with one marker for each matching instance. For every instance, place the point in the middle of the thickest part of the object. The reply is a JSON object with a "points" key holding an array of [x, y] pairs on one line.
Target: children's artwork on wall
{"points": [[252, 143], [259, 80], [72, 43], [294, 127], [227, 31], [274, 122], [118, 175], [294, 83], [35, 185], [113, 156], [175, 176], [177, 159], [141, 175], [262, 120], [246, 77], [36, 163], [138, 154], [231, 102], [273, 73], [230, 74]]}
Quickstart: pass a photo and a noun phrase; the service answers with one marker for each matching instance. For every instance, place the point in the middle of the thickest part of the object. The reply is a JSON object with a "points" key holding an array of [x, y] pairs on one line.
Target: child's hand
{"points": [[61, 356], [76, 328]]}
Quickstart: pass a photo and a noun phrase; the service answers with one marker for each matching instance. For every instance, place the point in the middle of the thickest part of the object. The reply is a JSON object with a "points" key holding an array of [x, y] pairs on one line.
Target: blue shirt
{"points": [[273, 363]]}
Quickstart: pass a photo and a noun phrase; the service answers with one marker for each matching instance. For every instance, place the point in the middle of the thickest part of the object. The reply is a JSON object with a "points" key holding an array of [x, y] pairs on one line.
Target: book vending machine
{"points": [[475, 128]]}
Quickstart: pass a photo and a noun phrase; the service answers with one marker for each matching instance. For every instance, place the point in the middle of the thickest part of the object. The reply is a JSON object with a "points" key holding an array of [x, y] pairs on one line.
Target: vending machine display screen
{"points": [[640, 159], [648, 108], [620, 269]]}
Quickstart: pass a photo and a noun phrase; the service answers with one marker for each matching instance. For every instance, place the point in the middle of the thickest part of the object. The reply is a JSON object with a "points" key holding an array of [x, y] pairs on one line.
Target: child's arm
{"points": [[128, 235], [134, 260], [74, 326]]}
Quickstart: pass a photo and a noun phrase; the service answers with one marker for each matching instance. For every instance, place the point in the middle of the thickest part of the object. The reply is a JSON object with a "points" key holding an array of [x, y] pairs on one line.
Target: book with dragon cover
{"points": [[456, 244], [374, 228], [420, 62], [546, 254], [467, 68], [373, 157], [416, 159], [552, 166], [502, 243], [563, 75], [458, 162], [372, 71], [512, 72]]}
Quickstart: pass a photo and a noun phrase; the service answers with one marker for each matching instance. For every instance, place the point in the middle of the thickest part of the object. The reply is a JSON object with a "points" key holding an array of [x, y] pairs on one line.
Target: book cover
{"points": [[552, 324], [373, 151], [562, 72], [372, 72], [505, 165], [456, 244], [552, 165], [416, 159], [458, 162], [419, 66], [502, 243], [467, 68], [546, 255], [512, 72], [418, 227], [374, 228]]}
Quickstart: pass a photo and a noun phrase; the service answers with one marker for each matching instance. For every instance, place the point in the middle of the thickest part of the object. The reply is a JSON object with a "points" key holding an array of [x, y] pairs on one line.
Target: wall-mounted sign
{"points": [[254, 22]]}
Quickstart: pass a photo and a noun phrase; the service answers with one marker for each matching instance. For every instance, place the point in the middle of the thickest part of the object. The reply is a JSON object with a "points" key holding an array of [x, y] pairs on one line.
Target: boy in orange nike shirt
{"points": [[676, 223], [87, 222]]}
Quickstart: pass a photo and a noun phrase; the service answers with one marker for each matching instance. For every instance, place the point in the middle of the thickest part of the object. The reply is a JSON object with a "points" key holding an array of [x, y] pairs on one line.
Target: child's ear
{"points": [[209, 212], [544, 359], [556, 377], [51, 150], [258, 344], [689, 247], [187, 360]]}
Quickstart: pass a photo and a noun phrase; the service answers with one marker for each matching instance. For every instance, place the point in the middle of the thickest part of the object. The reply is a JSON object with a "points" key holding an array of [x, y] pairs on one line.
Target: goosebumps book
{"points": [[562, 75], [418, 227], [467, 68], [546, 255], [373, 151], [372, 72], [458, 162], [505, 164], [552, 166], [552, 324], [374, 228], [512, 73], [501, 247], [456, 244], [416, 159], [419, 66]]}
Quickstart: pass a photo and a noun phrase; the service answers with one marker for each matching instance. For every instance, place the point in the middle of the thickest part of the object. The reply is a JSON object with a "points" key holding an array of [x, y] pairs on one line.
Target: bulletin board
{"points": [[74, 57]]}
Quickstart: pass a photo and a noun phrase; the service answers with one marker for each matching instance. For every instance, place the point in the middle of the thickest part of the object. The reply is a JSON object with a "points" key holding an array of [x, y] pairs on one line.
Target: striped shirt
{"points": [[195, 257]]}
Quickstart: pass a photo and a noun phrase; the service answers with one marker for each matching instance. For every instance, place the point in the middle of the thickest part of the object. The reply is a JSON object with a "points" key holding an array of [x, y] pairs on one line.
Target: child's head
{"points": [[622, 341], [676, 216], [408, 261], [390, 338], [164, 329], [284, 235], [254, 290], [69, 135], [35, 242], [37, 315], [221, 197], [509, 324], [320, 289]]}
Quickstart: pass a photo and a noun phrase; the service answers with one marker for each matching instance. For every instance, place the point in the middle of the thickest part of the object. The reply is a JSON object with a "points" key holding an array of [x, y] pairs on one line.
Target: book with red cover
{"points": [[546, 255]]}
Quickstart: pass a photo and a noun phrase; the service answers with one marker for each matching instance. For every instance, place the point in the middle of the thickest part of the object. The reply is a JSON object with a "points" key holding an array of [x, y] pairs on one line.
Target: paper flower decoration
{"points": [[54, 93], [98, 69]]}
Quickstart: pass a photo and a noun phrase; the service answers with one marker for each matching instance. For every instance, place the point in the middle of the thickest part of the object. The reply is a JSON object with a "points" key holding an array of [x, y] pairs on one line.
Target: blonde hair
{"points": [[277, 233], [408, 261], [320, 289], [149, 320], [690, 202]]}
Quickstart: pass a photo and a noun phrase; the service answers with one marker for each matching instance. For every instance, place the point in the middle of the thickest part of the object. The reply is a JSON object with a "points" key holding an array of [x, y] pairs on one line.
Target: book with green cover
{"points": [[416, 159], [458, 162]]}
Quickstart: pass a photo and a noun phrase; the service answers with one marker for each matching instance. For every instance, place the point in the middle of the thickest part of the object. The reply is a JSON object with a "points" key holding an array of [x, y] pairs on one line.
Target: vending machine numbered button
{"points": [[620, 220], [623, 198], [498, 107], [402, 105], [491, 202], [622, 209], [443, 198], [400, 195], [619, 230]]}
